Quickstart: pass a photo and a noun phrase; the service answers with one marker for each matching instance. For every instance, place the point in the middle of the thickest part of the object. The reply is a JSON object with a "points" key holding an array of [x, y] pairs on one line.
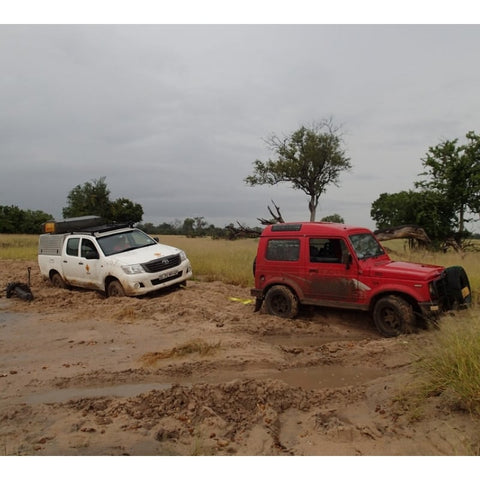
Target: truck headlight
{"points": [[132, 269], [183, 256]]}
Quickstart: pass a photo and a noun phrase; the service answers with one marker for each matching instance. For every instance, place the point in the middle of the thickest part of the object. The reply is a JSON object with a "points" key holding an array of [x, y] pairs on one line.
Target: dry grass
{"points": [[18, 247], [223, 260], [450, 364]]}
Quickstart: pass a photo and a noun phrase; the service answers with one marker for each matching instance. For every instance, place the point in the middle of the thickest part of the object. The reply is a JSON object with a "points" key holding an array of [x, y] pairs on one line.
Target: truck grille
{"points": [[161, 264]]}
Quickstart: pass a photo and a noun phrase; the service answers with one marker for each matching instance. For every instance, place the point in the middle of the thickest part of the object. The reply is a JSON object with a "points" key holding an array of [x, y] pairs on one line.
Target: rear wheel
{"points": [[115, 289], [57, 280], [393, 316], [282, 302]]}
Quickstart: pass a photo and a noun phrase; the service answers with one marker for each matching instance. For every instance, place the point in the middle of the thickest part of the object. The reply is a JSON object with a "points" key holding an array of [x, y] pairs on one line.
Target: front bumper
{"points": [[142, 283], [430, 309]]}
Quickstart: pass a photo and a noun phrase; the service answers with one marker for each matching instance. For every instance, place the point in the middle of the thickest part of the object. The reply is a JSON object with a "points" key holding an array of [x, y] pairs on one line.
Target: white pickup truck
{"points": [[117, 260]]}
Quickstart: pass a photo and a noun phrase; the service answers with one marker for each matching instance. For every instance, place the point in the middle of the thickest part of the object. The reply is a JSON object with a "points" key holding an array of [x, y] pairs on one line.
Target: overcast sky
{"points": [[174, 116]]}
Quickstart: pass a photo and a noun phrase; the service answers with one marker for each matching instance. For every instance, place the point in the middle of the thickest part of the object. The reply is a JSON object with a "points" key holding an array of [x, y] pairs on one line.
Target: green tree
{"points": [[310, 159], [187, 228], [334, 218], [91, 198], [427, 209], [453, 171], [15, 220], [124, 210]]}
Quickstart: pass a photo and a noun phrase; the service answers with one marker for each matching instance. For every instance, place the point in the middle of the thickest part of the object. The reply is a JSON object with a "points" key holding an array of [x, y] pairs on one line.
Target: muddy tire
{"points": [[393, 316], [115, 289], [57, 280], [282, 302]]}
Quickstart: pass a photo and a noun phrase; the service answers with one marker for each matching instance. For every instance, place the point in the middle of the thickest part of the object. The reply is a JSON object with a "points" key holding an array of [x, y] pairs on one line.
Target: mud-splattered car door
{"points": [[331, 273]]}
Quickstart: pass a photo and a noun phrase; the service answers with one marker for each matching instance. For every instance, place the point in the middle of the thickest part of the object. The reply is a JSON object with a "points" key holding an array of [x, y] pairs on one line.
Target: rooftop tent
{"points": [[72, 224]]}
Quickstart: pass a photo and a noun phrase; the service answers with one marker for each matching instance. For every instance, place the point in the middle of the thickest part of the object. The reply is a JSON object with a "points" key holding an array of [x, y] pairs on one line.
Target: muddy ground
{"points": [[194, 371]]}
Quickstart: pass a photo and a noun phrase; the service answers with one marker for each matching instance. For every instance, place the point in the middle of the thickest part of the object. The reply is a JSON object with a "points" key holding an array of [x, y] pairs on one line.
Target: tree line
{"points": [[15, 220], [91, 198]]}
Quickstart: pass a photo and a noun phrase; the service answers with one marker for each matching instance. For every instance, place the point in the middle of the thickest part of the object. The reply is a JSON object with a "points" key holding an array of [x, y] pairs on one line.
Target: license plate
{"points": [[167, 275], [465, 292]]}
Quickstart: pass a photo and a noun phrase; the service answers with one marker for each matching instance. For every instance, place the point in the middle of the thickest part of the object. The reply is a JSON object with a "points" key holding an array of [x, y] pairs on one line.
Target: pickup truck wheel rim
{"points": [[57, 281], [115, 289]]}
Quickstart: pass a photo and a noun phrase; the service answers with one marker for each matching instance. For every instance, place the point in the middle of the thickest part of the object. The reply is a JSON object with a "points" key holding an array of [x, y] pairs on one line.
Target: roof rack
{"points": [[86, 224]]}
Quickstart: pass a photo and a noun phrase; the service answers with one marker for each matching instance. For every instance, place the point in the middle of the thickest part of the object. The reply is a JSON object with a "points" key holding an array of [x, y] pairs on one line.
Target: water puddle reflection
{"points": [[311, 340], [67, 394], [328, 376]]}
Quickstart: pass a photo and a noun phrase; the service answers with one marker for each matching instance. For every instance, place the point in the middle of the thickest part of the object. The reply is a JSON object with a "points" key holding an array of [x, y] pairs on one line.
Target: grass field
{"points": [[452, 364], [18, 247]]}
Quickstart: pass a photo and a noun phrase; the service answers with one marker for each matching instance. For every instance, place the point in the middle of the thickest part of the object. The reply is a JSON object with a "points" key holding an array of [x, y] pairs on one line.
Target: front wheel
{"points": [[115, 289], [393, 316], [282, 302], [57, 281]]}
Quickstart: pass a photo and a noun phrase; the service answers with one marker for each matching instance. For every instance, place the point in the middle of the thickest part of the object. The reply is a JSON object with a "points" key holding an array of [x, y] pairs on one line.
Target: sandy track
{"points": [[194, 371]]}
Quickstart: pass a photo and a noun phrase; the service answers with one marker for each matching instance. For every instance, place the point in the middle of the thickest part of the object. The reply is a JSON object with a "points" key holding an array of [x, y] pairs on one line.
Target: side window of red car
{"points": [[284, 249], [326, 250]]}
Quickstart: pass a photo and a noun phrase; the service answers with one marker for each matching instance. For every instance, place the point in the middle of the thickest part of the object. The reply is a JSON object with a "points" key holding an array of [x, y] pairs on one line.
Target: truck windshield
{"points": [[123, 241], [366, 246]]}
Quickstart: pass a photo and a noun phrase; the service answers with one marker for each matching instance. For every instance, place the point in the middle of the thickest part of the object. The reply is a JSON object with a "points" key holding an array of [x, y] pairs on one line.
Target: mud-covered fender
{"points": [[289, 281], [409, 293]]}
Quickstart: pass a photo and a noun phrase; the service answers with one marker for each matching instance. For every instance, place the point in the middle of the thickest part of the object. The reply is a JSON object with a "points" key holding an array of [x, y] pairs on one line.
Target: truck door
{"points": [[332, 277], [81, 263]]}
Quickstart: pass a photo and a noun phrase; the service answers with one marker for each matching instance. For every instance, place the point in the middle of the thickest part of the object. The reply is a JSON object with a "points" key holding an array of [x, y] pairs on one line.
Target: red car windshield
{"points": [[366, 246]]}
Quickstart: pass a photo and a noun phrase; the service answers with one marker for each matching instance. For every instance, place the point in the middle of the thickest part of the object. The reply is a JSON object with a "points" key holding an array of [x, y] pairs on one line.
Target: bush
{"points": [[450, 365]]}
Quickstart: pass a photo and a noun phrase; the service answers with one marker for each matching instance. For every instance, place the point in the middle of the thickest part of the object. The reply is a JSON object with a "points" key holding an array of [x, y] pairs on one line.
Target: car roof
{"points": [[312, 228]]}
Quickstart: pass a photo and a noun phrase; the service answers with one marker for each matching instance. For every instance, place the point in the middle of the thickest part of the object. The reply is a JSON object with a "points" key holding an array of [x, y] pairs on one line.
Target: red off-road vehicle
{"points": [[336, 265]]}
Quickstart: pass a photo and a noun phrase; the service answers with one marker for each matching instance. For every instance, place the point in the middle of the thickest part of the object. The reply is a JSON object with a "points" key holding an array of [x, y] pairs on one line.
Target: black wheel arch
{"points": [[405, 296]]}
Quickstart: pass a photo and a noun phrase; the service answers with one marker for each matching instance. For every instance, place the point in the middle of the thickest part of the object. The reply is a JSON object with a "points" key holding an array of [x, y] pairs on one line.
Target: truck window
{"points": [[287, 250], [87, 247], [123, 241], [72, 246], [327, 250]]}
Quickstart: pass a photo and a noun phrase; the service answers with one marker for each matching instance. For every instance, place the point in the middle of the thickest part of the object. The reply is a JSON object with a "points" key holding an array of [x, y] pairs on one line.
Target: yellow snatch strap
{"points": [[245, 301]]}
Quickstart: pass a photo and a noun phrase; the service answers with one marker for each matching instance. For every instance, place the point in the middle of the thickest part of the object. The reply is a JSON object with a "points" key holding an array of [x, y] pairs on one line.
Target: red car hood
{"points": [[404, 270]]}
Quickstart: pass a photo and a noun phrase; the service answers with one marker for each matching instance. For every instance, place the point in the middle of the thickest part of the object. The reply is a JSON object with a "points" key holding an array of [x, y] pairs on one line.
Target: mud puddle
{"points": [[312, 340], [308, 378], [8, 316], [328, 376], [67, 394]]}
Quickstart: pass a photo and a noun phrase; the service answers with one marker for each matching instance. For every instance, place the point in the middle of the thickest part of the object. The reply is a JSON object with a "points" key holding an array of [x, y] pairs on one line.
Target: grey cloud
{"points": [[174, 115]]}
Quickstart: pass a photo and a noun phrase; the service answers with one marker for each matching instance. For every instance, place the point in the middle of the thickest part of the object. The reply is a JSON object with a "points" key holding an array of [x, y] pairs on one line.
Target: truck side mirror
{"points": [[92, 255]]}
